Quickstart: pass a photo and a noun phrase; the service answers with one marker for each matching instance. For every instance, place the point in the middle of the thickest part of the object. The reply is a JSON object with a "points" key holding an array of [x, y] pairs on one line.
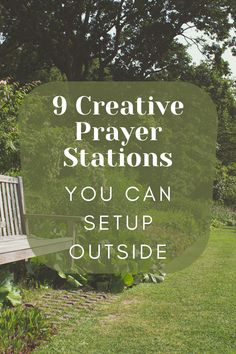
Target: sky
{"points": [[197, 55]]}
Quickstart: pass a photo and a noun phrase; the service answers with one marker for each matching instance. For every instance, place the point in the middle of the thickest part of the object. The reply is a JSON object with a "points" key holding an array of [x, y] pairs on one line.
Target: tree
{"points": [[83, 36], [213, 77], [11, 96]]}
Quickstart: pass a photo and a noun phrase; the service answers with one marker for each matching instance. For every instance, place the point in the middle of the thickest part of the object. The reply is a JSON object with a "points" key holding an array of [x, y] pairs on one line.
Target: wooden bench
{"points": [[14, 233]]}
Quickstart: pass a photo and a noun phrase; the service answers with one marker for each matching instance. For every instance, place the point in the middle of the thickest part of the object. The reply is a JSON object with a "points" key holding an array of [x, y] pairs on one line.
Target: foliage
{"points": [[9, 292], [153, 277], [85, 39], [71, 279], [222, 216], [214, 77], [225, 184], [38, 275], [191, 312], [114, 283], [114, 40], [22, 329], [11, 97]]}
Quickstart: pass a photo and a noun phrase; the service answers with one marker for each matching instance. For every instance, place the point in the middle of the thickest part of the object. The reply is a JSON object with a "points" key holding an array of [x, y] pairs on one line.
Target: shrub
{"points": [[114, 283], [225, 184], [11, 96], [222, 216]]}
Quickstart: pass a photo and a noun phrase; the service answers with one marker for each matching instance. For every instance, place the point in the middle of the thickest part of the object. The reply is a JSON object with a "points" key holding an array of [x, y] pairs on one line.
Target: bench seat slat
{"points": [[25, 243], [12, 238], [18, 252]]}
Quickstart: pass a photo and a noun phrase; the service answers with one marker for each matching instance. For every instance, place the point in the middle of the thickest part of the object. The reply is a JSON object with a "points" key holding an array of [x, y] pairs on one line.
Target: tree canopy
{"points": [[85, 38], [117, 40]]}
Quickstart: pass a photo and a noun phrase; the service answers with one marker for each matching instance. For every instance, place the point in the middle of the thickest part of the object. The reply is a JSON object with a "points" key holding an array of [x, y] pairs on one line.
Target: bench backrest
{"points": [[11, 206]]}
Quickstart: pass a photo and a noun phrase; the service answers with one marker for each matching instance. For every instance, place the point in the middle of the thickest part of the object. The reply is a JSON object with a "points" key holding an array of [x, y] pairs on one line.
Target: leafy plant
{"points": [[21, 329], [9, 292], [225, 182], [40, 276], [11, 97], [222, 216], [71, 280], [114, 283], [153, 277]]}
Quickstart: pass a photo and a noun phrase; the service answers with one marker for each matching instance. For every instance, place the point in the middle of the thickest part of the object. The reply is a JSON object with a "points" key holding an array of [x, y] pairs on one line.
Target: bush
{"points": [[22, 329], [222, 216], [114, 283], [225, 184], [11, 97]]}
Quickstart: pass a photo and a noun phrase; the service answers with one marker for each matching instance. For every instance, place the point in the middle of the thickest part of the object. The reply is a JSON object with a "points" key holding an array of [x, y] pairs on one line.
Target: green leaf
{"points": [[6, 282], [153, 278], [14, 297], [128, 279], [62, 275], [72, 281], [159, 278]]}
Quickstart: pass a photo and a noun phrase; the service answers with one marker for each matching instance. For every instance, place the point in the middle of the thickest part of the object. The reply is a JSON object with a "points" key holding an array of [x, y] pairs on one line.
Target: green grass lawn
{"points": [[193, 311]]}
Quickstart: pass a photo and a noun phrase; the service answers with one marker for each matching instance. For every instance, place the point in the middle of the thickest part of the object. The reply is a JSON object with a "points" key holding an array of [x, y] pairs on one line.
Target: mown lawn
{"points": [[193, 311]]}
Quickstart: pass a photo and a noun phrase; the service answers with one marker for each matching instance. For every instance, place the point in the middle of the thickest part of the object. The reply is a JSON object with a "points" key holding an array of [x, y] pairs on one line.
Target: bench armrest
{"points": [[66, 218], [71, 221]]}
